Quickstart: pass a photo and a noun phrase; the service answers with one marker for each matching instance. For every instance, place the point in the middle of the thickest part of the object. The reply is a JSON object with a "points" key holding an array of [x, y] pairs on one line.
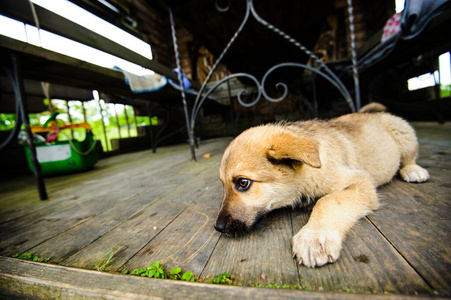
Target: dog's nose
{"points": [[220, 226]]}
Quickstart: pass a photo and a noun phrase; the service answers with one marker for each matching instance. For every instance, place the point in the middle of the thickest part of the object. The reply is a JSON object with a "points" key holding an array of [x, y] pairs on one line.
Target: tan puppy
{"points": [[339, 162]]}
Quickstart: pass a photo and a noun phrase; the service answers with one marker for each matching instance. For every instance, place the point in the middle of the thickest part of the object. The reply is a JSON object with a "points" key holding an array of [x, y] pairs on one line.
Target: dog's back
{"points": [[376, 138]]}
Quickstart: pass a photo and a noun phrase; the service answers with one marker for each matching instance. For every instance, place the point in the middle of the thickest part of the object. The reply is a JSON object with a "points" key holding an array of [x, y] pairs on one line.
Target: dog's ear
{"points": [[288, 148]]}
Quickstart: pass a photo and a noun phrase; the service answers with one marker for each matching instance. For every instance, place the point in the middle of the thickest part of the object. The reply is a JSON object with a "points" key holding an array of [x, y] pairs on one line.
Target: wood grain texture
{"points": [[262, 256], [43, 281], [77, 214], [367, 263], [188, 240], [63, 188], [132, 201], [418, 225], [402, 248], [137, 231]]}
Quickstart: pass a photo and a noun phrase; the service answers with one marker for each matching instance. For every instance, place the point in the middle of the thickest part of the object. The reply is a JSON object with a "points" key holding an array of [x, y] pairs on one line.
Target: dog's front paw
{"points": [[414, 173], [316, 247]]}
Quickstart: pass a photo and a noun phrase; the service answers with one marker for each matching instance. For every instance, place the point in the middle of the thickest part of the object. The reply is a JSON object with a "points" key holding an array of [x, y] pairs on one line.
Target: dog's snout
{"points": [[220, 226]]}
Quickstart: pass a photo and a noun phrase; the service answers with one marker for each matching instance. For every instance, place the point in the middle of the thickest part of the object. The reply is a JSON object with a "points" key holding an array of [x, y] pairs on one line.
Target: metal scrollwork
{"points": [[203, 95], [239, 96], [222, 9]]}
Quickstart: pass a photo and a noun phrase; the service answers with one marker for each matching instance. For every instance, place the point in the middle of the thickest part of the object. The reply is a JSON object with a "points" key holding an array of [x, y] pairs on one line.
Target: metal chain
{"points": [[325, 73], [189, 128], [355, 71], [340, 86]]}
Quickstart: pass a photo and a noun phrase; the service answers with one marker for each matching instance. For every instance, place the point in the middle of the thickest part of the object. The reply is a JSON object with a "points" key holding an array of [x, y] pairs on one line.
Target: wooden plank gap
{"points": [[210, 256], [398, 251]]}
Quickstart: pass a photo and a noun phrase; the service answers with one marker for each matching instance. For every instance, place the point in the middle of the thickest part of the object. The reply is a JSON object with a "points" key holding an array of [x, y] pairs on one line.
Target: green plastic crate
{"points": [[60, 157]]}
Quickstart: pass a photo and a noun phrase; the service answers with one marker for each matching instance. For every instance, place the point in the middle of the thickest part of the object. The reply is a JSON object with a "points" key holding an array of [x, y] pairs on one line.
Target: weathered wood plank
{"points": [[65, 244], [432, 133], [95, 183], [76, 233], [262, 256], [417, 221], [133, 234], [188, 240], [46, 228], [72, 191], [390, 251], [435, 158], [43, 281], [13, 203], [367, 263]]}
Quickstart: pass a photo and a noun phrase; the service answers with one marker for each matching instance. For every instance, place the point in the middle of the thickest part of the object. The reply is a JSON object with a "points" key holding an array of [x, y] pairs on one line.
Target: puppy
{"points": [[335, 165]]}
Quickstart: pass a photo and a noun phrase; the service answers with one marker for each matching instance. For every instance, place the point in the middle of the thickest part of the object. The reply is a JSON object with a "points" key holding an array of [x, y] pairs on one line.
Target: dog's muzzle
{"points": [[230, 227]]}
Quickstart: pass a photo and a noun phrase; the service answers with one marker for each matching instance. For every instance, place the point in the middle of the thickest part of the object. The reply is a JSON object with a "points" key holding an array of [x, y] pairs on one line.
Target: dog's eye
{"points": [[243, 184]]}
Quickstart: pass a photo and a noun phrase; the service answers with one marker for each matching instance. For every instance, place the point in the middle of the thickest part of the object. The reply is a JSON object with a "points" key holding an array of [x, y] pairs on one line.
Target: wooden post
{"points": [[117, 121], [97, 97], [149, 112], [126, 120], [134, 120], [70, 118]]}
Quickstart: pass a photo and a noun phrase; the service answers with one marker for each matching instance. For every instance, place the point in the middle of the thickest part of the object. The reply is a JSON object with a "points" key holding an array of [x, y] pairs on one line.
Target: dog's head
{"points": [[258, 171]]}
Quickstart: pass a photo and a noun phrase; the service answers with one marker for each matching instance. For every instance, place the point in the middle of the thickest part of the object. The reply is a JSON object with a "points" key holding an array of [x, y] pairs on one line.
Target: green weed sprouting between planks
{"points": [[187, 276], [100, 266], [224, 278], [28, 256], [156, 270]]}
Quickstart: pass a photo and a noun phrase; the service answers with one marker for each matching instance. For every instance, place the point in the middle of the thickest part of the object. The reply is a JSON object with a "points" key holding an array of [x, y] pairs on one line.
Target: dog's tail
{"points": [[373, 107]]}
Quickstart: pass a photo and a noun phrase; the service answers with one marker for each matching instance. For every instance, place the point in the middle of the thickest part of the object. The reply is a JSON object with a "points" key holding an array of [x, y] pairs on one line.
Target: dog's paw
{"points": [[414, 173], [316, 247]]}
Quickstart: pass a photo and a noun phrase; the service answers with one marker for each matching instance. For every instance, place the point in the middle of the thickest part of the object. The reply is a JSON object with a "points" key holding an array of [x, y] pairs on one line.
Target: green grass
{"points": [[101, 265]]}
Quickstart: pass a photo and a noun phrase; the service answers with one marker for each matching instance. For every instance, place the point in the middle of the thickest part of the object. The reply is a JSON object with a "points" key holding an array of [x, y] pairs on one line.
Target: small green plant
{"points": [[224, 278], [28, 256], [187, 276], [155, 270], [100, 266]]}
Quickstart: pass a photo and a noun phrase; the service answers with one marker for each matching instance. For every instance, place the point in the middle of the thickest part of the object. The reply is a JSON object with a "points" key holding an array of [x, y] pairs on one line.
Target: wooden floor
{"points": [[161, 207]]}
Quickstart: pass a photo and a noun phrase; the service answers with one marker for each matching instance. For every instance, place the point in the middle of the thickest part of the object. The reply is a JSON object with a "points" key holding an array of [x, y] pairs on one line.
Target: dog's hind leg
{"points": [[405, 137], [320, 241]]}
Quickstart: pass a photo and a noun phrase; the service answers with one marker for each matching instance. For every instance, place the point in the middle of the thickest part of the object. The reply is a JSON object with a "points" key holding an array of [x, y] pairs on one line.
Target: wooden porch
{"points": [[161, 207]]}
